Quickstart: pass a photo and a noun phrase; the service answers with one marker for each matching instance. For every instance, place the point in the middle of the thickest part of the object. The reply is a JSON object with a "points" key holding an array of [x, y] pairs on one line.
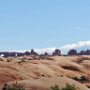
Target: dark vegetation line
{"points": [[57, 52]]}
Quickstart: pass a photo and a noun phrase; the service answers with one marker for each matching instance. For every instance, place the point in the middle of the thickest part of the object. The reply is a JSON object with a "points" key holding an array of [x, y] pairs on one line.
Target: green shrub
{"points": [[56, 87], [68, 87]]}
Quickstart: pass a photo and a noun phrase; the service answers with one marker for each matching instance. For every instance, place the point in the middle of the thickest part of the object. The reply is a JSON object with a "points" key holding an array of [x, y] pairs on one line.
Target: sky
{"points": [[40, 24]]}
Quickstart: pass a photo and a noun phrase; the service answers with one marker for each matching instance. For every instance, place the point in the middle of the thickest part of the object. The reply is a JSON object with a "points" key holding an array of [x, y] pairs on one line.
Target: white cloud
{"points": [[39, 51], [76, 45], [42, 51], [64, 48]]}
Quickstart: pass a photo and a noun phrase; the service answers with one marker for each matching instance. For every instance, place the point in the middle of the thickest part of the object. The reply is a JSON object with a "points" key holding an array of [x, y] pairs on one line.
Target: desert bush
{"points": [[56, 87], [68, 87]]}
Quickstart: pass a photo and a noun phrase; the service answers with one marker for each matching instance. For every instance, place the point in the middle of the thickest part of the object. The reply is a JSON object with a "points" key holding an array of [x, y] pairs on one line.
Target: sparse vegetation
{"points": [[56, 87], [68, 87]]}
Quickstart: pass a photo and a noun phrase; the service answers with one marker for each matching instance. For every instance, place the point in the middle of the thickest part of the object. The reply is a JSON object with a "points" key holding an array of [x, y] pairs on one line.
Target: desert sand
{"points": [[42, 74]]}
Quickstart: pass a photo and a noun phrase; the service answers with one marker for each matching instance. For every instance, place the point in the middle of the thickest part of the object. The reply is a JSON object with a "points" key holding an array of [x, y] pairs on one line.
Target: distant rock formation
{"points": [[57, 52], [27, 53], [72, 52], [14, 54], [33, 52], [46, 54], [87, 52], [7, 54]]}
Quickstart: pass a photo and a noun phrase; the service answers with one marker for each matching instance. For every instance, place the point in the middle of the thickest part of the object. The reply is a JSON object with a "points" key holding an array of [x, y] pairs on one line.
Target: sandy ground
{"points": [[55, 71]]}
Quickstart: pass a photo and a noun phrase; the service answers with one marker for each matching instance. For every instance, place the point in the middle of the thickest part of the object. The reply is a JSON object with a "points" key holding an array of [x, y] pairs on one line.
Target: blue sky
{"points": [[26, 24]]}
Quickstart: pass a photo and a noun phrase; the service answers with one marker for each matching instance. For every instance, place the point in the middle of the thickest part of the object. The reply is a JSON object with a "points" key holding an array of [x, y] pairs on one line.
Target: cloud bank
{"points": [[76, 45], [64, 49], [42, 51]]}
